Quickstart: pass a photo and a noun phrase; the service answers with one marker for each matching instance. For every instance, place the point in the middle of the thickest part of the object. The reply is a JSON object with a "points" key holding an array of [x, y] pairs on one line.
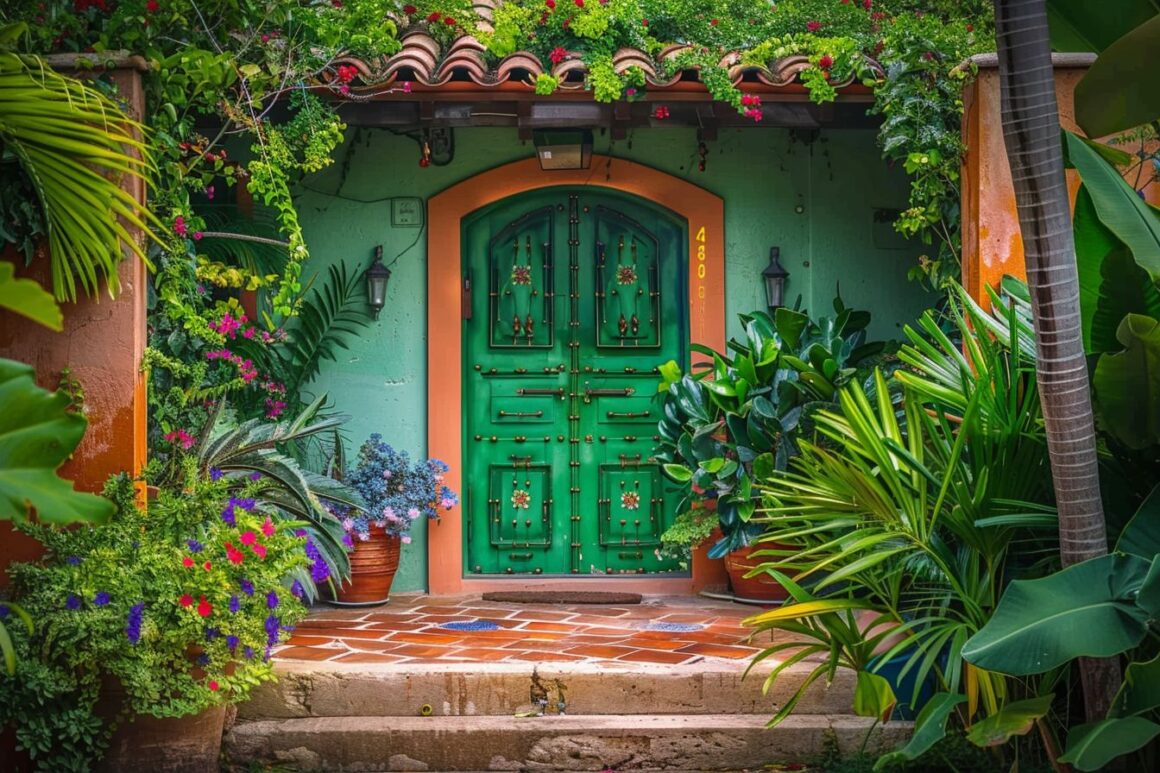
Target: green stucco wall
{"points": [[765, 177]]}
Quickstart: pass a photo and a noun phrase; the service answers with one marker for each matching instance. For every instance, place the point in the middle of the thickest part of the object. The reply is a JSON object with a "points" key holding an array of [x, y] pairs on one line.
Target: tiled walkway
{"points": [[422, 629]]}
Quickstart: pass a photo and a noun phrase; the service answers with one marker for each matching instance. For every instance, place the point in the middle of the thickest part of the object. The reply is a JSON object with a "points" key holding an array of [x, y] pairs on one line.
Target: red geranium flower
{"points": [[661, 113], [813, 26], [259, 549], [826, 62], [152, 6], [713, 22], [558, 55], [213, 685], [249, 538], [409, 9], [433, 16], [551, 4], [207, 566], [867, 4], [233, 554], [644, 22], [204, 608], [187, 562], [579, 3], [449, 21], [186, 601]]}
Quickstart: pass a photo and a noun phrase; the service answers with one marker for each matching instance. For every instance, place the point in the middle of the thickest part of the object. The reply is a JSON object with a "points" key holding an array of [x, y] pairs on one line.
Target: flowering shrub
{"points": [[397, 491], [181, 603]]}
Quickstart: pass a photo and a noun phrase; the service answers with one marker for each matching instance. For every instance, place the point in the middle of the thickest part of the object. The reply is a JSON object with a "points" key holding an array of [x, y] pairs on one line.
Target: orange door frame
{"points": [[704, 213]]}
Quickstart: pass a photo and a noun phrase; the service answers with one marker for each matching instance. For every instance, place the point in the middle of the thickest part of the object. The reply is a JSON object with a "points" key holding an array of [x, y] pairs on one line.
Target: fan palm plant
{"points": [[74, 145], [911, 503]]}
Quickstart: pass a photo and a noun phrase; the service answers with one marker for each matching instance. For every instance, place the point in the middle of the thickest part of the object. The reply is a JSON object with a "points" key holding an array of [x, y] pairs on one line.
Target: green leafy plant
{"points": [[178, 604], [688, 530], [731, 424]]}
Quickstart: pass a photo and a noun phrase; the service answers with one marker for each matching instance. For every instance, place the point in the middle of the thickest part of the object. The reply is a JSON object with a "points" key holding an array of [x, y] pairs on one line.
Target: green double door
{"points": [[573, 299]]}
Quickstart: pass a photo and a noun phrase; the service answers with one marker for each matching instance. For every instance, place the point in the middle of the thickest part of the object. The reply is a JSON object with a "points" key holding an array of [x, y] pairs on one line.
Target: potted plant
{"points": [[731, 425], [146, 628], [397, 492]]}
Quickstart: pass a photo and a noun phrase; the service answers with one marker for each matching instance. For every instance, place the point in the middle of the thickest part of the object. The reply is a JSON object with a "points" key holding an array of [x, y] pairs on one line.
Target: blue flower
{"points": [[212, 633], [235, 604], [215, 474], [194, 546], [273, 628], [101, 599], [228, 515], [73, 560], [319, 571], [73, 602], [255, 476], [133, 623], [249, 653], [272, 600], [246, 586], [5, 611], [297, 590], [232, 642]]}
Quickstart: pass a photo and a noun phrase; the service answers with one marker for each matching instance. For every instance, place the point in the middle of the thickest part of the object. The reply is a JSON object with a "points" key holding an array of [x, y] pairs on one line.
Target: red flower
{"points": [[268, 527], [213, 685], [970, 28], [826, 62], [449, 21], [644, 22], [152, 6], [661, 113], [187, 562], [259, 549], [186, 601], [551, 4], [751, 100], [713, 22], [867, 4], [233, 554], [204, 608], [433, 16], [579, 3], [558, 55], [207, 566], [249, 538], [928, 56], [567, 23], [409, 9], [813, 26]]}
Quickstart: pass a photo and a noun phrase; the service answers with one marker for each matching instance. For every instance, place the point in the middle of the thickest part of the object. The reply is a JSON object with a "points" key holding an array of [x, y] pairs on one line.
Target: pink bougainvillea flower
{"points": [[248, 538], [268, 527], [179, 226], [558, 55], [406, 87], [204, 608], [186, 601], [259, 549]]}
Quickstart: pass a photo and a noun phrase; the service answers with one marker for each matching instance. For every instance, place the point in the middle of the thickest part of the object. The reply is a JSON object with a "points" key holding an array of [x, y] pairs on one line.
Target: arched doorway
{"points": [[610, 310]]}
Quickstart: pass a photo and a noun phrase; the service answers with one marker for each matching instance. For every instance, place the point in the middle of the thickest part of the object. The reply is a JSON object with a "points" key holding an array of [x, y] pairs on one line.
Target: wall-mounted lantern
{"points": [[377, 277], [774, 276], [563, 148]]}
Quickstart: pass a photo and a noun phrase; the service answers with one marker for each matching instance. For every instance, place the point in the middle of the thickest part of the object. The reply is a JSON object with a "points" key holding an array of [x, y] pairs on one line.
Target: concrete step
{"points": [[621, 742], [304, 690]]}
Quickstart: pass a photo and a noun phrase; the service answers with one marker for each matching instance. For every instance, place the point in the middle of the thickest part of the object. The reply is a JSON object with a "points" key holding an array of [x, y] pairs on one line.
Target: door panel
{"points": [[581, 299]]}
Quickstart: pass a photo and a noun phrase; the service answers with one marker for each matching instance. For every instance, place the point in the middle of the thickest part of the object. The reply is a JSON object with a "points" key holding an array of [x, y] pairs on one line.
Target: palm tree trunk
{"points": [[1031, 131]]}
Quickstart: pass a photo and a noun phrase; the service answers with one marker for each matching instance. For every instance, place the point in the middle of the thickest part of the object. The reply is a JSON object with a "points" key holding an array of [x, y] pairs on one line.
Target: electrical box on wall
{"points": [[406, 212]]}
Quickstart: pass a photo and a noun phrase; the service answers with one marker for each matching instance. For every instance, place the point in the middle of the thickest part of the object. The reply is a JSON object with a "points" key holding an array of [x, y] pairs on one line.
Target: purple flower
{"points": [[101, 599], [232, 642], [272, 600], [246, 586], [255, 476], [319, 571], [73, 602], [212, 633], [228, 515], [215, 474], [5, 611], [249, 653], [311, 550], [346, 540], [194, 546], [235, 604], [133, 624], [73, 560], [273, 628], [296, 589]]}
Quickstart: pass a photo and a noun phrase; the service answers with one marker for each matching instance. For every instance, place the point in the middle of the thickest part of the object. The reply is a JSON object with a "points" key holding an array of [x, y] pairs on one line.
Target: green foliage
{"points": [[26, 297], [731, 424], [688, 530], [1119, 91], [73, 145], [1127, 384], [179, 603], [38, 433]]}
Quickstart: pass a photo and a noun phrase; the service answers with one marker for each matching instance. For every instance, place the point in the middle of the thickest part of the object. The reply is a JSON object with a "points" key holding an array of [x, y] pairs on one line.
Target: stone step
{"points": [[306, 690], [620, 742]]}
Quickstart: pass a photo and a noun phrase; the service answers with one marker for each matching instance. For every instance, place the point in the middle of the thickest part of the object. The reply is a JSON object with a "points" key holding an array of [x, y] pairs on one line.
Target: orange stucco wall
{"points": [[705, 215], [992, 245], [102, 345]]}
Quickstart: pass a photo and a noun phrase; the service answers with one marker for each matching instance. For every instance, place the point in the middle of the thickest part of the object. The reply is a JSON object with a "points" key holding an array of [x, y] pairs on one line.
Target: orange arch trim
{"points": [[704, 213]]}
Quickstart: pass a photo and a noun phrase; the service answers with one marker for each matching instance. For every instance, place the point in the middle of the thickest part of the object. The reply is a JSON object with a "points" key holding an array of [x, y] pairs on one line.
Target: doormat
{"points": [[563, 597]]}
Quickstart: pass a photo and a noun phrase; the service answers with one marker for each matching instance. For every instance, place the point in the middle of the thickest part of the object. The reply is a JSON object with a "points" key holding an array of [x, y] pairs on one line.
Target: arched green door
{"points": [[576, 296]]}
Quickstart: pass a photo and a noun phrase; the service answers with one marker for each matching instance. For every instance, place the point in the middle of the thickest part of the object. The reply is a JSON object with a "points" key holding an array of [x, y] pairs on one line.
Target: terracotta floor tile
{"points": [[600, 611], [306, 641], [482, 654], [424, 638], [433, 610], [657, 644], [501, 634], [548, 627], [437, 620], [606, 631], [425, 651], [367, 657], [602, 651], [587, 619], [366, 645], [306, 653], [540, 614], [688, 618], [656, 656], [325, 622], [356, 633], [719, 651], [585, 639], [393, 626], [391, 617], [543, 657]]}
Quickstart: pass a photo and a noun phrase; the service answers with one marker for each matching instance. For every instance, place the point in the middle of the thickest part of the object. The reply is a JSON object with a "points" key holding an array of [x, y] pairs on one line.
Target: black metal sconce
{"points": [[774, 276], [377, 277], [563, 149]]}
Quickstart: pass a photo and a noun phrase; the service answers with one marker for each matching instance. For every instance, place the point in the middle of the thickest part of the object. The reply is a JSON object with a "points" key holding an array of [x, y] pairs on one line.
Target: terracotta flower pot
{"points": [[760, 587], [373, 564]]}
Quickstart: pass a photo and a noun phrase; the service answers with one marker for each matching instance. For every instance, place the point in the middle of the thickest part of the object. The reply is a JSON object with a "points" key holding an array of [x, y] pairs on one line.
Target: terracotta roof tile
{"points": [[421, 59]]}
